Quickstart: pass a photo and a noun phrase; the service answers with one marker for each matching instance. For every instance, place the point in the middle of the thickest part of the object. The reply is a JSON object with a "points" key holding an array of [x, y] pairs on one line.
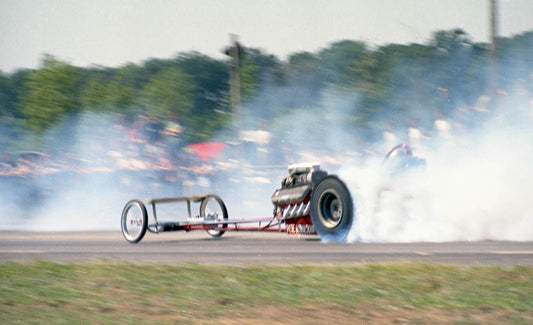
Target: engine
{"points": [[292, 202]]}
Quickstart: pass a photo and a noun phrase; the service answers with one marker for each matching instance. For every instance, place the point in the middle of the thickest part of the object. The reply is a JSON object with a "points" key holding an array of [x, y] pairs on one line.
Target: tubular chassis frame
{"points": [[213, 218]]}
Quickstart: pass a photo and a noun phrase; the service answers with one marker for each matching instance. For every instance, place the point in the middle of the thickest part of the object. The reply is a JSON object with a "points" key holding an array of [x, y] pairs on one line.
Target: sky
{"points": [[112, 33]]}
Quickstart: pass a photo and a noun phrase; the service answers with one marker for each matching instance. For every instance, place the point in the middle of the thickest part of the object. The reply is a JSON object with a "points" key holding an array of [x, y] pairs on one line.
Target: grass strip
{"points": [[197, 294]]}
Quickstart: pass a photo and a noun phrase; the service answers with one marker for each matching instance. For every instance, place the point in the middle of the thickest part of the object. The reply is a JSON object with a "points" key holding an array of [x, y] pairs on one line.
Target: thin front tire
{"points": [[134, 221], [213, 208]]}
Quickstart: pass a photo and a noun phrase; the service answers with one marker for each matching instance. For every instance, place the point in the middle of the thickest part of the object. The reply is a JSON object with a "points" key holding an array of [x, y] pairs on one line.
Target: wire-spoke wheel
{"points": [[134, 221], [213, 208]]}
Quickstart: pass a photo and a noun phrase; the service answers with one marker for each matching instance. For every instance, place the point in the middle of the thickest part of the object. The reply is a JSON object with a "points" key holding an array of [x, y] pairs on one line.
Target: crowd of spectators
{"points": [[149, 152]]}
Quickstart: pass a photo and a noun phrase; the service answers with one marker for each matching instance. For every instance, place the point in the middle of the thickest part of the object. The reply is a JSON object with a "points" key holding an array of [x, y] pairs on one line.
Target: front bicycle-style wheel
{"points": [[134, 221], [213, 208]]}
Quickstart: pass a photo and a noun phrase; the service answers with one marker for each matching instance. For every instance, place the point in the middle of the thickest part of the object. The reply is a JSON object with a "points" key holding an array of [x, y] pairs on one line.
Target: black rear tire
{"points": [[332, 209]]}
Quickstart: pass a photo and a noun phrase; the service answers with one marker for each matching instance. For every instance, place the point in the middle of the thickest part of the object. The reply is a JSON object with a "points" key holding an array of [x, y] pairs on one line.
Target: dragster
{"points": [[309, 201]]}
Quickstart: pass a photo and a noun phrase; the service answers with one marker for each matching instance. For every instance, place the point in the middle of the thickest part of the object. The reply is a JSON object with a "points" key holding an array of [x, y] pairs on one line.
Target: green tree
{"points": [[211, 80], [123, 88], [93, 95], [169, 92], [8, 114], [304, 68], [516, 64], [339, 60], [258, 69], [52, 91], [210, 96], [457, 65], [7, 96]]}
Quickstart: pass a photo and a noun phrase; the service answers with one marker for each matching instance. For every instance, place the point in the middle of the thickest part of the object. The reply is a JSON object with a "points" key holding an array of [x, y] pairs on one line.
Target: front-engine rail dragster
{"points": [[309, 202]]}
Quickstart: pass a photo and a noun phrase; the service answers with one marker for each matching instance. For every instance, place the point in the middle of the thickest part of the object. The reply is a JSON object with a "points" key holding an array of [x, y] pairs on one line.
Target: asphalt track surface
{"points": [[245, 248]]}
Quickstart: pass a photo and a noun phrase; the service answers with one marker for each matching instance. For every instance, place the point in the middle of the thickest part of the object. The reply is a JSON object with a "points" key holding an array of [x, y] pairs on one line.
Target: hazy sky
{"points": [[114, 32]]}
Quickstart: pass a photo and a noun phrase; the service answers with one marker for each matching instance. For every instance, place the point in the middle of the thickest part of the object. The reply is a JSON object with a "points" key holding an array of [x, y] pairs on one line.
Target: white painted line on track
{"points": [[512, 252], [424, 253], [20, 251]]}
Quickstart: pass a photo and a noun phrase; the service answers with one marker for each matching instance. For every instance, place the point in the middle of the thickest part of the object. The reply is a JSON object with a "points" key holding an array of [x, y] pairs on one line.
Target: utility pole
{"points": [[234, 52], [493, 33], [493, 28]]}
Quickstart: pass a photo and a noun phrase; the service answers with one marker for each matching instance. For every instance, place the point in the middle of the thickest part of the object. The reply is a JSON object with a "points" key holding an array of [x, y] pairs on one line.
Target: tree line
{"points": [[393, 80]]}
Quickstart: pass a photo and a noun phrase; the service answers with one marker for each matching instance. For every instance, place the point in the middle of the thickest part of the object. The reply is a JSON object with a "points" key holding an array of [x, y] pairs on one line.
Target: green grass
{"points": [[141, 294]]}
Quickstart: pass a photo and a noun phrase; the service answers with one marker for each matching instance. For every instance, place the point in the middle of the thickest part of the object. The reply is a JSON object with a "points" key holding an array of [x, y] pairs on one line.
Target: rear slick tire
{"points": [[332, 210]]}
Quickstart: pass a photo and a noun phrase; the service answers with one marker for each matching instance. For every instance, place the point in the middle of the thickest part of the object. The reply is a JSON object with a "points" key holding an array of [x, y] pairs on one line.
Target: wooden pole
{"points": [[235, 85], [493, 33]]}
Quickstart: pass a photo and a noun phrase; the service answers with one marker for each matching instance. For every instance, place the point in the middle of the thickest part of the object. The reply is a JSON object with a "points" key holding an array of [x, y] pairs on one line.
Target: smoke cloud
{"points": [[87, 170], [477, 185]]}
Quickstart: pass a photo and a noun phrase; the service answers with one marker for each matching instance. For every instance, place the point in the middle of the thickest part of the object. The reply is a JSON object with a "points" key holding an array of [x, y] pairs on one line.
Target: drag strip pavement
{"points": [[243, 248]]}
